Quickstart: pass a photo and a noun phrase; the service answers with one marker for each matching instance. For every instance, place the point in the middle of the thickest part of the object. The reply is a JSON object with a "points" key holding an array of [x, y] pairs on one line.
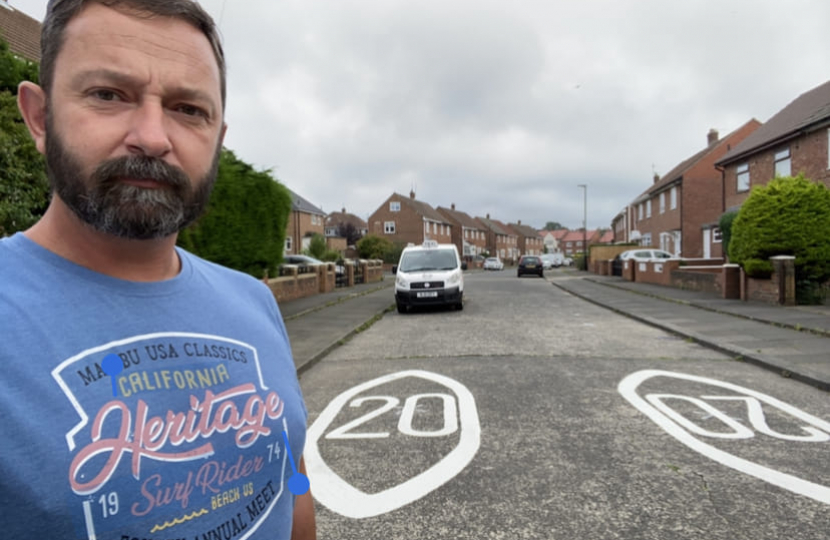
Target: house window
{"points": [[395, 206], [716, 235], [782, 163], [426, 227], [288, 244], [647, 239], [663, 203], [640, 211], [389, 227], [673, 197], [648, 208], [743, 177], [434, 228]]}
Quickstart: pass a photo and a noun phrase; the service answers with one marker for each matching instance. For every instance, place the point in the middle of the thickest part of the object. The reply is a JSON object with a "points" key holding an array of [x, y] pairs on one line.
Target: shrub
{"points": [[317, 247], [373, 247], [725, 224], [244, 225], [789, 216]]}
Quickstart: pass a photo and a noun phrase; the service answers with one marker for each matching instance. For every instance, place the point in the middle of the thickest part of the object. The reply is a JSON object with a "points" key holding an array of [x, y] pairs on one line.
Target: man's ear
{"points": [[222, 134], [31, 100]]}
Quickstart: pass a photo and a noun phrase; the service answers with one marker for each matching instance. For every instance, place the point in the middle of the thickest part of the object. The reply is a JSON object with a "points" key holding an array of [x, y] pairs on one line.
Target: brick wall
{"points": [[698, 280], [658, 273], [760, 290], [293, 287]]}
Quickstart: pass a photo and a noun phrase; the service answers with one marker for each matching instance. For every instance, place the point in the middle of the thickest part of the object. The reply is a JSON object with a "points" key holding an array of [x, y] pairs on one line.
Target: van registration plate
{"points": [[428, 294]]}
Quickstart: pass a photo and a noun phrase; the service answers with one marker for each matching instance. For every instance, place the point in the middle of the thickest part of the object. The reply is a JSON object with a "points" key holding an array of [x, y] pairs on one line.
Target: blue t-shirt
{"points": [[182, 437]]}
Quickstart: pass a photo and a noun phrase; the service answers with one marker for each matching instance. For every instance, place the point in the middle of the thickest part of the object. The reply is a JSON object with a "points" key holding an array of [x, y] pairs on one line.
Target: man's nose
{"points": [[148, 131]]}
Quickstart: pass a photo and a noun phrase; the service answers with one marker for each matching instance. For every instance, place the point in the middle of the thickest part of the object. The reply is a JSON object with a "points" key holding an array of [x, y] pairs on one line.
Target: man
{"points": [[146, 393]]}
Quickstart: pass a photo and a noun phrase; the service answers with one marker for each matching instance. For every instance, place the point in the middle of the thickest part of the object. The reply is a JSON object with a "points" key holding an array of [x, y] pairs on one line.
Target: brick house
{"points": [[552, 240], [20, 31], [512, 241], [795, 140], [498, 239], [407, 220], [304, 221], [607, 237], [467, 234], [572, 242], [335, 220], [529, 242], [679, 213]]}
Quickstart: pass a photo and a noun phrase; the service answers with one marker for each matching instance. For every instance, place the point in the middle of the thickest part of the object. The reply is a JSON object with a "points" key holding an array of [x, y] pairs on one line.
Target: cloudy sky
{"points": [[502, 107]]}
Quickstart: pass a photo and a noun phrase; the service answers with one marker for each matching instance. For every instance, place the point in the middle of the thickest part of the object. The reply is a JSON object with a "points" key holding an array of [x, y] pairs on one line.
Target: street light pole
{"points": [[585, 224]]}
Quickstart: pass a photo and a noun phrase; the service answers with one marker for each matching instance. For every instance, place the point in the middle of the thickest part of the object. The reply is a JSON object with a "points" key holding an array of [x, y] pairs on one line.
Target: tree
{"points": [[553, 226], [349, 232], [317, 247], [24, 188], [244, 225], [373, 247], [788, 216]]}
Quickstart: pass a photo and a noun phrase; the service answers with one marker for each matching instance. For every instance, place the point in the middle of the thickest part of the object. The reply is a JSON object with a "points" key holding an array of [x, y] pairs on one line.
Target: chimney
{"points": [[488, 216], [712, 137], [520, 222], [452, 206], [656, 178], [344, 210], [411, 194]]}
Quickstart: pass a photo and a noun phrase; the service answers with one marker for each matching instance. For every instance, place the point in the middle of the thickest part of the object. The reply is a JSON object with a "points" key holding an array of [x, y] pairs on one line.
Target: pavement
{"points": [[317, 324], [792, 341]]}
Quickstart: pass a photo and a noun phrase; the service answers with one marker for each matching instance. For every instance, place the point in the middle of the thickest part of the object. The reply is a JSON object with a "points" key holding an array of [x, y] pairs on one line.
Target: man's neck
{"points": [[63, 233]]}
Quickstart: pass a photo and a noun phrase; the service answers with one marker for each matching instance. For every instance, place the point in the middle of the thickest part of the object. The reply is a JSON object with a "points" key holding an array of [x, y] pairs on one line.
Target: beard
{"points": [[109, 206]]}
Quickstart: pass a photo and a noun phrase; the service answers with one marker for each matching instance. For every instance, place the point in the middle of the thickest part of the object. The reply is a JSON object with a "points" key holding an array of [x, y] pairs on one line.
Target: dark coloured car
{"points": [[530, 264]]}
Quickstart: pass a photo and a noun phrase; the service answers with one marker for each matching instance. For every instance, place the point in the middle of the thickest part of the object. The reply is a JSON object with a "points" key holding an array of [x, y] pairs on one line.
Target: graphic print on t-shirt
{"points": [[185, 441]]}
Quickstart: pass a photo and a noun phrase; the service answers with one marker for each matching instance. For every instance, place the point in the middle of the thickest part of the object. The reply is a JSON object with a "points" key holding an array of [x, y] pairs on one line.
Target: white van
{"points": [[428, 275]]}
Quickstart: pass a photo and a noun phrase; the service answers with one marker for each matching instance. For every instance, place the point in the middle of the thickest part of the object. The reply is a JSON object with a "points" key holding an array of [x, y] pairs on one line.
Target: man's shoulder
{"points": [[223, 276]]}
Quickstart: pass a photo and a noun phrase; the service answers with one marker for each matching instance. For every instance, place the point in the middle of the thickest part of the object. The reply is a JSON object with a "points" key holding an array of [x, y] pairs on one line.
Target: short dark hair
{"points": [[60, 12]]}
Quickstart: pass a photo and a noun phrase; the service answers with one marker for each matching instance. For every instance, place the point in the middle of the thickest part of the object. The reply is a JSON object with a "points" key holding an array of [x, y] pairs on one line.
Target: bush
{"points": [[372, 246], [331, 255], [789, 216], [24, 188], [244, 225], [725, 225]]}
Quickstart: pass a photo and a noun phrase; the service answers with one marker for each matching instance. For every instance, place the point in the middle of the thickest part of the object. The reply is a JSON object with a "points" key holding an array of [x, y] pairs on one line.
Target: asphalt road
{"points": [[533, 414]]}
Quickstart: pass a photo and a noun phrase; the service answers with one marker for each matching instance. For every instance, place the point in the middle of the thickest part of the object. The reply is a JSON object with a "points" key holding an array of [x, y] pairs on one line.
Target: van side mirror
{"points": [[394, 269], [463, 265]]}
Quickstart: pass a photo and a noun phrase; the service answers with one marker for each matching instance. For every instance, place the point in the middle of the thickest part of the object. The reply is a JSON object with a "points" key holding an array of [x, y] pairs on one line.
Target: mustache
{"points": [[140, 167]]}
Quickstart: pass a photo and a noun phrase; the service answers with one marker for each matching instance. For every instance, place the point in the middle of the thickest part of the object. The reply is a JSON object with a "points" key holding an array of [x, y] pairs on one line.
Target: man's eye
{"points": [[105, 95], [191, 110]]}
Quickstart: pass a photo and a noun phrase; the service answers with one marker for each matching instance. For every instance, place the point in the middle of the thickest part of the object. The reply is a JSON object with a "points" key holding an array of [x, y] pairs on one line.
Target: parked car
{"points": [[645, 254], [429, 274], [530, 264], [552, 260], [493, 263], [305, 260]]}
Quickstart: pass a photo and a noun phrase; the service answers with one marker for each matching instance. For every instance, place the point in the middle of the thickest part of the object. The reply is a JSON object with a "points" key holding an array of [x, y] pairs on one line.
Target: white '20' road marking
{"points": [[339, 496], [682, 429]]}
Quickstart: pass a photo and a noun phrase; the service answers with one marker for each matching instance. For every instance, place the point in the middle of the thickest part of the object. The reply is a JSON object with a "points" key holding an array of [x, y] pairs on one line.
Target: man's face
{"points": [[134, 124]]}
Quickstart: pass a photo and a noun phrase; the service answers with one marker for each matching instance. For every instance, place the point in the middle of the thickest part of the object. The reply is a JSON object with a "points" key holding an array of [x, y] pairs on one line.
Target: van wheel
{"points": [[401, 308], [459, 306]]}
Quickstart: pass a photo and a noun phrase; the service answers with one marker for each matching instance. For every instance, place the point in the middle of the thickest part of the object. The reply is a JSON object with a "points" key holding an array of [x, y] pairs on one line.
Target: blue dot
{"points": [[112, 365], [298, 484]]}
